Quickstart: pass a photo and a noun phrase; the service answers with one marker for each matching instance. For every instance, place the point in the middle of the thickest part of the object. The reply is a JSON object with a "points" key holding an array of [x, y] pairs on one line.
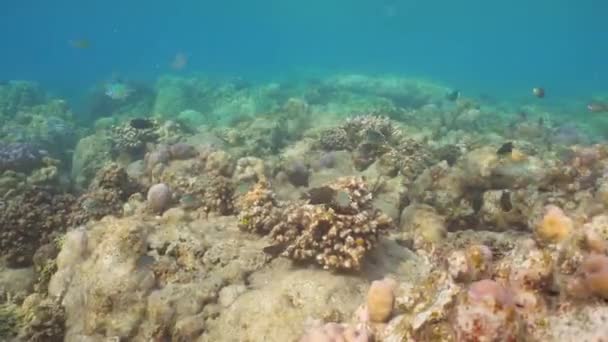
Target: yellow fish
{"points": [[80, 43]]}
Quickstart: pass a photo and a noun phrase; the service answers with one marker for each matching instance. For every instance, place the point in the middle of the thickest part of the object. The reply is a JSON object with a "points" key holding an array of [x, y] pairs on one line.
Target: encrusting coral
{"points": [[30, 219]]}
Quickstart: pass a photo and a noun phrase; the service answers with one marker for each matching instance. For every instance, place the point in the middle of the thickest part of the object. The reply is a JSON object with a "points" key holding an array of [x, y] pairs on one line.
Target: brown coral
{"points": [[106, 195], [336, 234], [258, 210], [29, 220]]}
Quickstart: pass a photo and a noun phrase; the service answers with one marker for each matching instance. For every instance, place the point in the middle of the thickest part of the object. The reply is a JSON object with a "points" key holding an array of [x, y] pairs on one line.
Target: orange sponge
{"points": [[555, 226]]}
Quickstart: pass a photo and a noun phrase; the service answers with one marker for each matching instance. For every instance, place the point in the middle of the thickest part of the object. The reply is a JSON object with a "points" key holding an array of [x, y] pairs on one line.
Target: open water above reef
{"points": [[498, 48], [303, 171]]}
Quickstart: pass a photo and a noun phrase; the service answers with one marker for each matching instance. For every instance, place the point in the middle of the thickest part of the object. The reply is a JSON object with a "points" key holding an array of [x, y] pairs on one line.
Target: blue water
{"points": [[502, 48]]}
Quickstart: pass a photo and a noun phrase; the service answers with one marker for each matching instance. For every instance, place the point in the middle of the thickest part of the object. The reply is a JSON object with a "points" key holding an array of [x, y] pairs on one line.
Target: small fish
{"points": [[453, 95], [505, 201], [141, 123], [597, 107], [343, 199], [118, 91], [538, 92], [145, 261], [374, 137], [321, 195], [541, 121], [274, 250], [80, 43], [505, 148], [180, 61]]}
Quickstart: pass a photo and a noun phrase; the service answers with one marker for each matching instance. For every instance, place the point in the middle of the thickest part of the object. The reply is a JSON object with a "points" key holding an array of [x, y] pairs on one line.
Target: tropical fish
{"points": [[505, 201], [141, 123], [453, 95], [275, 250], [597, 107], [118, 91], [538, 92], [80, 43], [505, 148]]}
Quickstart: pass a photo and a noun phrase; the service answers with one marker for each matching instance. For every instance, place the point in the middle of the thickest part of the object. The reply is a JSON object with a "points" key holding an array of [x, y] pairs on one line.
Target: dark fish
{"points": [[453, 95], [538, 92], [374, 137], [274, 250], [505, 148], [140, 123], [321, 195], [505, 201], [541, 121]]}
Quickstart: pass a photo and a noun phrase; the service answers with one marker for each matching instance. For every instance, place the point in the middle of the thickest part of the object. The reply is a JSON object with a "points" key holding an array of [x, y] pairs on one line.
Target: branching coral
{"points": [[132, 136], [334, 228]]}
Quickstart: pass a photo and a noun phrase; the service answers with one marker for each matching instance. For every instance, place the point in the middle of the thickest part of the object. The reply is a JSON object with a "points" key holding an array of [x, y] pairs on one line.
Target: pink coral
{"points": [[487, 313], [595, 274], [333, 332]]}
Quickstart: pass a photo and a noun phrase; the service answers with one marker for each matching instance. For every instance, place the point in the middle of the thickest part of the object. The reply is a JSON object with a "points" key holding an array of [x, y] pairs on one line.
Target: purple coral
{"points": [[21, 157], [159, 197]]}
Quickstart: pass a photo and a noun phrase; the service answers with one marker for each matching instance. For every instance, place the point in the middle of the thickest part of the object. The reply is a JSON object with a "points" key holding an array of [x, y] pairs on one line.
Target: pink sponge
{"points": [[486, 313], [595, 274]]}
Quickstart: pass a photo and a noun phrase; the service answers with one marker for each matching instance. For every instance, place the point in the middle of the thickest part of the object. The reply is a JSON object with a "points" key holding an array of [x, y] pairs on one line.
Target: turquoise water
{"points": [[497, 48]]}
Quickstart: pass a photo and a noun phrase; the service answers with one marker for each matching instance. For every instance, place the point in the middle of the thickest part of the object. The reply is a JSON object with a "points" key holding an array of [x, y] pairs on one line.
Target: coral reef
{"points": [[441, 218]]}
